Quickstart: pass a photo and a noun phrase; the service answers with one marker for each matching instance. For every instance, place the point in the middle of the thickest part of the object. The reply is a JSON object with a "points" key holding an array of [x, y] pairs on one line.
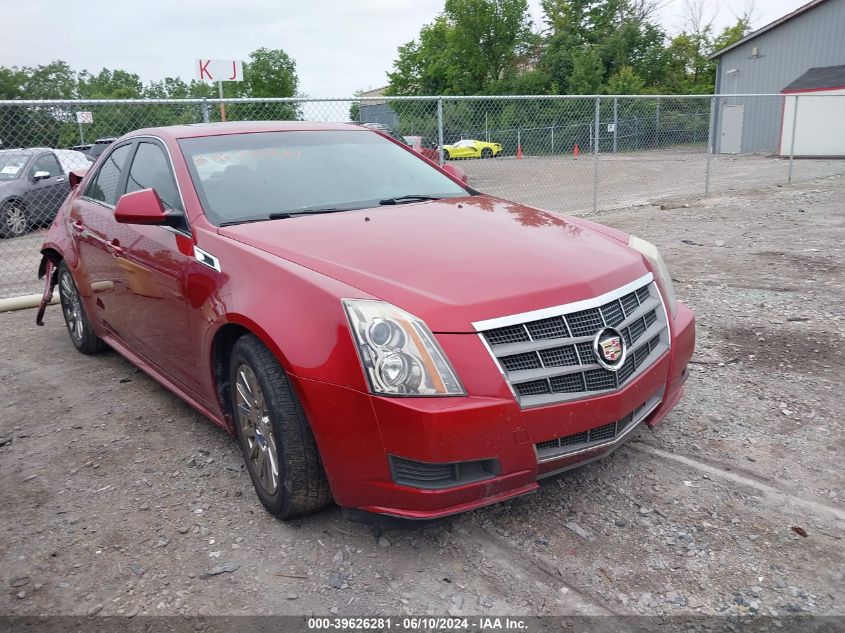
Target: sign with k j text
{"points": [[219, 70]]}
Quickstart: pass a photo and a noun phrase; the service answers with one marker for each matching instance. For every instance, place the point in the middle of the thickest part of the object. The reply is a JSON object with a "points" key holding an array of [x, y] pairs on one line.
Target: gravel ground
{"points": [[117, 498]]}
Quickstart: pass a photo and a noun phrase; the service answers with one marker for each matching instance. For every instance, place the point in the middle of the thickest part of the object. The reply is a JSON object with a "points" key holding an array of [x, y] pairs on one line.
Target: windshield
{"points": [[11, 164], [242, 177]]}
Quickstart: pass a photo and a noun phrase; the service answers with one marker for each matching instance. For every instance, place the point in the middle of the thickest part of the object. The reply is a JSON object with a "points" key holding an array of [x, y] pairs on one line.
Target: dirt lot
{"points": [[116, 497], [561, 183]]}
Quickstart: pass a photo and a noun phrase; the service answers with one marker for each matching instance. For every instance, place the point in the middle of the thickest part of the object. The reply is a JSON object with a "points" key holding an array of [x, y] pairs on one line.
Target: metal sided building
{"points": [[767, 61]]}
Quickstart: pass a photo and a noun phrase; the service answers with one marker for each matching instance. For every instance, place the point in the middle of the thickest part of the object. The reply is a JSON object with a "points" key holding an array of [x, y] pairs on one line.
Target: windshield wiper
{"points": [[281, 215], [408, 198]]}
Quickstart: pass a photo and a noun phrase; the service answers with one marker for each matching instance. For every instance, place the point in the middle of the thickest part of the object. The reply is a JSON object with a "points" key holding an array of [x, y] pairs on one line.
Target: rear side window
{"points": [[104, 185], [48, 163], [151, 169], [98, 148]]}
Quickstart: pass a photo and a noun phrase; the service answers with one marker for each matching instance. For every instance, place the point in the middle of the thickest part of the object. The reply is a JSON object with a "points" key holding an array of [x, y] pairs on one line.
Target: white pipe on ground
{"points": [[24, 302]]}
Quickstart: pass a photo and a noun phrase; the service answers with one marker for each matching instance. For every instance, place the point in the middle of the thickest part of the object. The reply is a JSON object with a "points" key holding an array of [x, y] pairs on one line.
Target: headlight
{"points": [[650, 252], [398, 351]]}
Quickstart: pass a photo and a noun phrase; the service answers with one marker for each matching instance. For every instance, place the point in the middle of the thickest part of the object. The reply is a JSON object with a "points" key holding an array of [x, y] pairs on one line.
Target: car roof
{"points": [[29, 151], [195, 130]]}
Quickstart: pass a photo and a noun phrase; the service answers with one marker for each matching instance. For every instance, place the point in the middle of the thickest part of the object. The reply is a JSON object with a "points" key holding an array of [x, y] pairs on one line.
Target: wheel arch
{"points": [[12, 199], [222, 343]]}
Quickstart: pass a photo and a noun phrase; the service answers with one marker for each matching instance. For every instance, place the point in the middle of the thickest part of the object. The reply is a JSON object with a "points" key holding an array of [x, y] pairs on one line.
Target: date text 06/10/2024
{"points": [[424, 623]]}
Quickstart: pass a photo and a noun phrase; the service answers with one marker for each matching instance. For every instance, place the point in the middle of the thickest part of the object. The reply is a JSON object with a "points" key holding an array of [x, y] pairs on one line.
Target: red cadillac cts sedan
{"points": [[373, 330]]}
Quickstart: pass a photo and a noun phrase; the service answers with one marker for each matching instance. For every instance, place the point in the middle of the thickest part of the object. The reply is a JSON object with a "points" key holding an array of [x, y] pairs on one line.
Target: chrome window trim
{"points": [[105, 154], [169, 159], [172, 169], [566, 308]]}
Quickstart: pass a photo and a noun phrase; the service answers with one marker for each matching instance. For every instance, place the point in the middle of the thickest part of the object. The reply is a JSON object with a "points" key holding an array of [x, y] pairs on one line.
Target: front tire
{"points": [[78, 326], [14, 219], [486, 153], [275, 436]]}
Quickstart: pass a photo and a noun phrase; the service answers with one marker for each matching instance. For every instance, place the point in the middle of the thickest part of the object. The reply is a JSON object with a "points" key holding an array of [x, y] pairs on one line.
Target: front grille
{"points": [[563, 446], [552, 359], [429, 475]]}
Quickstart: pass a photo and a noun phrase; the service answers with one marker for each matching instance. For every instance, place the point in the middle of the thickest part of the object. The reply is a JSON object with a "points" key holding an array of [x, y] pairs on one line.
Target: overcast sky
{"points": [[339, 46]]}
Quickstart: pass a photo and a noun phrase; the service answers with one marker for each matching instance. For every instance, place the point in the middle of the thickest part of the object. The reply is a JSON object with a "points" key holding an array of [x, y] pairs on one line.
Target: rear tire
{"points": [[14, 219], [78, 326], [445, 155], [274, 433]]}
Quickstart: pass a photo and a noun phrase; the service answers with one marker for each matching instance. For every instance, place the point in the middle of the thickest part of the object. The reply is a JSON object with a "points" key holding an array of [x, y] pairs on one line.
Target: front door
{"points": [[152, 263]]}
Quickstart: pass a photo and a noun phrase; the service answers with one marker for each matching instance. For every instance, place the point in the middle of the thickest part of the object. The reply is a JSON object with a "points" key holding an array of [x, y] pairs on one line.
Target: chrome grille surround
{"points": [[546, 356]]}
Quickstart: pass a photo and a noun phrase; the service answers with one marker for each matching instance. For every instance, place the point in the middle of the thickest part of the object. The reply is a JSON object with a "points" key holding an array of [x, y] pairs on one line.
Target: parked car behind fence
{"points": [[33, 185]]}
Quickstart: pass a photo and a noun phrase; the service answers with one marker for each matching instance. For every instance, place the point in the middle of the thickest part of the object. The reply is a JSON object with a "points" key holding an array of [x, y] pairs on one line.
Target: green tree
{"points": [[268, 73], [470, 47], [355, 108], [733, 33], [55, 80], [625, 82], [109, 84], [12, 82], [587, 73]]}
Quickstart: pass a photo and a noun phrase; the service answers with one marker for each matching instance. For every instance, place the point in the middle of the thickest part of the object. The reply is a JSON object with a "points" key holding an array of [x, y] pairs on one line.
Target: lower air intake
{"points": [[437, 475]]}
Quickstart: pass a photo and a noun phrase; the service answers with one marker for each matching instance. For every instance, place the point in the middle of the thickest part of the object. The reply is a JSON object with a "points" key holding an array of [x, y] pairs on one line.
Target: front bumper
{"points": [[357, 432]]}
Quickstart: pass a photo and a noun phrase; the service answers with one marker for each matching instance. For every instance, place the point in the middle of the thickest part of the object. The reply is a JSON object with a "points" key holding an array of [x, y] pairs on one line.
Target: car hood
{"points": [[456, 261]]}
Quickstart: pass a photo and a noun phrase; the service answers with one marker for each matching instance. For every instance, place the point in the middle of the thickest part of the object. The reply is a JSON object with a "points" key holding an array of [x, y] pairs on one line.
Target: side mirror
{"points": [[40, 175], [144, 207], [455, 172]]}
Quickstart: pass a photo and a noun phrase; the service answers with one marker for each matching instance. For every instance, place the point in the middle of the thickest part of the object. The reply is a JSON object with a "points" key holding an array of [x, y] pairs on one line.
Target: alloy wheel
{"points": [[15, 220], [257, 429], [71, 306]]}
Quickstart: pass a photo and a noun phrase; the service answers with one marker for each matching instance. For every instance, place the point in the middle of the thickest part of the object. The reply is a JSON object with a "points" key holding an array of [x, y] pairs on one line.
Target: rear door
{"points": [[91, 221]]}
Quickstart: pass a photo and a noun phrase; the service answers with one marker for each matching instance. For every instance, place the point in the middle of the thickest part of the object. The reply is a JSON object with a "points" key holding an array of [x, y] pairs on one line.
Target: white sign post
{"points": [[83, 117], [220, 70]]}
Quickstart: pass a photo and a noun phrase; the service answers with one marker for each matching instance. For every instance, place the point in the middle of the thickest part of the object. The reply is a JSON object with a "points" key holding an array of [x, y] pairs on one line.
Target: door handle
{"points": [[62, 179], [115, 248]]}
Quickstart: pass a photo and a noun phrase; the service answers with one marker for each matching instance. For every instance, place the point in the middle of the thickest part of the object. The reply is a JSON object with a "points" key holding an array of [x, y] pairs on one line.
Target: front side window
{"points": [[104, 185], [242, 177], [48, 163], [151, 169]]}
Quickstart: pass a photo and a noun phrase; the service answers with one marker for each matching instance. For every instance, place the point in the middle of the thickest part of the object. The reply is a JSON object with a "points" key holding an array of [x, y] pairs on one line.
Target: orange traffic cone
{"points": [[519, 152], [575, 151]]}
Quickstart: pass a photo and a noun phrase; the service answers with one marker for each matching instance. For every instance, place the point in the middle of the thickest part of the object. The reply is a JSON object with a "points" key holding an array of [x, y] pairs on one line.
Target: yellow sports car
{"points": [[469, 148]]}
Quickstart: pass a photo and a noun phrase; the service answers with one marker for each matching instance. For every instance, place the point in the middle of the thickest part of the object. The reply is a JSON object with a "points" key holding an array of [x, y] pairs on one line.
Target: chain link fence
{"points": [[567, 154]]}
